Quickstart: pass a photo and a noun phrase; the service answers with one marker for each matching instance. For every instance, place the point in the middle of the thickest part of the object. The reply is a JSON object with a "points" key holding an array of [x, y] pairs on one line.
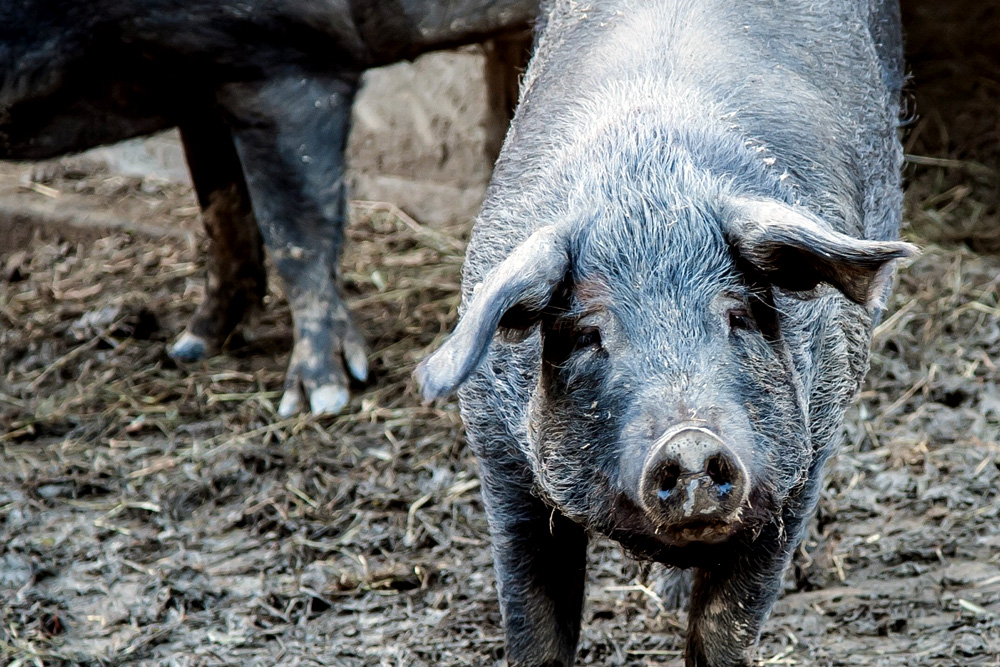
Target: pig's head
{"points": [[667, 410]]}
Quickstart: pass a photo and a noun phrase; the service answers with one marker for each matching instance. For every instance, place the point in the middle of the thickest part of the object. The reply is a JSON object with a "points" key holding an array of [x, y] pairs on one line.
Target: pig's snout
{"points": [[692, 480]]}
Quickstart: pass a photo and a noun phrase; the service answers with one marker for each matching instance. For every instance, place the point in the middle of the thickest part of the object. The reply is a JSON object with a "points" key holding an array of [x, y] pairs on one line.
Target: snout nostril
{"points": [[721, 474], [671, 472], [718, 470]]}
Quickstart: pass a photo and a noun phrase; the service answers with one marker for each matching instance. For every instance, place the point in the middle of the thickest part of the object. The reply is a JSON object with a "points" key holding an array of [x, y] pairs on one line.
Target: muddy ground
{"points": [[162, 515]]}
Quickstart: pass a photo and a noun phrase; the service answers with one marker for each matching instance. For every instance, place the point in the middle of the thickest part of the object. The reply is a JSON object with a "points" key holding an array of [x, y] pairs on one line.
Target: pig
{"points": [[262, 95], [669, 295]]}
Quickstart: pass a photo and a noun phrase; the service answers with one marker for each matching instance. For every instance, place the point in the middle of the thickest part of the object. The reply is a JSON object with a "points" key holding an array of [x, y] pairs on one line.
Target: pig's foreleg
{"points": [[540, 559], [732, 599]]}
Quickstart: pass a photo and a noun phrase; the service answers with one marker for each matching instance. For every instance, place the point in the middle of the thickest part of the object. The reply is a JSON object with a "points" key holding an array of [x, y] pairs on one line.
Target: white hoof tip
{"points": [[189, 347], [290, 404], [328, 400], [357, 364]]}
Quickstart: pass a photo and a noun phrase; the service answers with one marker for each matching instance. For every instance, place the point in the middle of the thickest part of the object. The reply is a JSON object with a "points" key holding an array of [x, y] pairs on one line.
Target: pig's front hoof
{"points": [[191, 347]]}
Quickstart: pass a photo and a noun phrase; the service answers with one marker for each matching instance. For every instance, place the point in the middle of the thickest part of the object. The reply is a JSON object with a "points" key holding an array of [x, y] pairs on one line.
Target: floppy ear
{"points": [[513, 294], [796, 252]]}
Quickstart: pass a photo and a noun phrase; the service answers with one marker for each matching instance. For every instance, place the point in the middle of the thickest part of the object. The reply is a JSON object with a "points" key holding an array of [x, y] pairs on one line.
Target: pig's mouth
{"points": [[703, 532], [630, 526]]}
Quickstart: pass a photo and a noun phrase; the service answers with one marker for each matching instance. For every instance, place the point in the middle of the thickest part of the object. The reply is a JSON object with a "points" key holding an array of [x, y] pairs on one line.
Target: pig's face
{"points": [[667, 412]]}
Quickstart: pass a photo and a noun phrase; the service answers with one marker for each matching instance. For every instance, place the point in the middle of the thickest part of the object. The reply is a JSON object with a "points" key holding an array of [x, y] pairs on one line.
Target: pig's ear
{"points": [[514, 294], [796, 252]]}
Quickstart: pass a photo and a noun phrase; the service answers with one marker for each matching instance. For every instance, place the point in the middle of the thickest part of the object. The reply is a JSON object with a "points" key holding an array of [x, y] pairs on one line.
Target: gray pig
{"points": [[669, 298]]}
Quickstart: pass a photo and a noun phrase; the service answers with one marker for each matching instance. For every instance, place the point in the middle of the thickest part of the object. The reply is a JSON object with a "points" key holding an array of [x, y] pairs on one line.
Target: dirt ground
{"points": [[161, 515]]}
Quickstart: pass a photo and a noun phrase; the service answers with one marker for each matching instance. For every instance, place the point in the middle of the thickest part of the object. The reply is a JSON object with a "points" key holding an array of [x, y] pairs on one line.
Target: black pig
{"points": [[262, 94], [669, 297]]}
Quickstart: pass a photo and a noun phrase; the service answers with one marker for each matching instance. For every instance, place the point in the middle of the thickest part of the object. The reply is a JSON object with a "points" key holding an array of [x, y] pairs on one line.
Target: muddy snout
{"points": [[692, 478]]}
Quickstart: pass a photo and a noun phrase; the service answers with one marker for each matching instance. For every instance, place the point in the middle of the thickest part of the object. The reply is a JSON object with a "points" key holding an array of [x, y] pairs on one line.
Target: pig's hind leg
{"points": [[291, 132], [236, 280]]}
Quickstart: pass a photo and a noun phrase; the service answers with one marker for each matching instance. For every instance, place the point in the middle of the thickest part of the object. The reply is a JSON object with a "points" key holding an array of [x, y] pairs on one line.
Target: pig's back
{"points": [[810, 88]]}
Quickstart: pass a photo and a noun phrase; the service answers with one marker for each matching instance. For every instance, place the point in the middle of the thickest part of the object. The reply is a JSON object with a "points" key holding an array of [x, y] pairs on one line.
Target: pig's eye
{"points": [[586, 337], [740, 318]]}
